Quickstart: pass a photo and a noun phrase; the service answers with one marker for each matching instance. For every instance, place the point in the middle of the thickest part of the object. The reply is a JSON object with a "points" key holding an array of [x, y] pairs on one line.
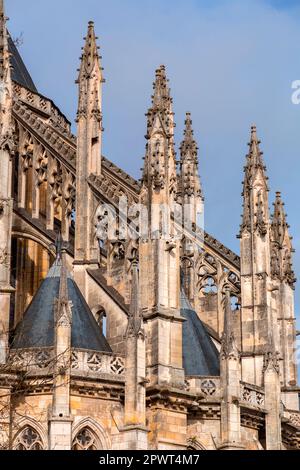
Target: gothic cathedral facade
{"points": [[115, 338]]}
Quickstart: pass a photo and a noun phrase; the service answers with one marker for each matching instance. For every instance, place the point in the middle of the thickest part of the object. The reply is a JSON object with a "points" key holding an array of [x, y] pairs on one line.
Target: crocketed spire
{"points": [[255, 189], [279, 224], [188, 148], [190, 180], [90, 56], [161, 104]]}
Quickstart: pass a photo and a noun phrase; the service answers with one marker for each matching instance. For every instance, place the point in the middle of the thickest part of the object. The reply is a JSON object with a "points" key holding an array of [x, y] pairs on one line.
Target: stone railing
{"points": [[208, 386], [92, 362], [293, 417], [37, 359], [252, 395], [83, 362], [46, 107], [32, 99]]}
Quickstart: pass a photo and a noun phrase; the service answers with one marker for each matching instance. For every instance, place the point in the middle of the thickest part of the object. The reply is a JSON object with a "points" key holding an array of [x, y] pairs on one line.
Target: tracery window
{"points": [[235, 303], [85, 440], [29, 439], [101, 319], [209, 286]]}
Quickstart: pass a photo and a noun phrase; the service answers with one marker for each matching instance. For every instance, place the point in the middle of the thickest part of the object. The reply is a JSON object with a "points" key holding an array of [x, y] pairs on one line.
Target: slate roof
{"points": [[200, 355], [20, 73], [36, 330]]}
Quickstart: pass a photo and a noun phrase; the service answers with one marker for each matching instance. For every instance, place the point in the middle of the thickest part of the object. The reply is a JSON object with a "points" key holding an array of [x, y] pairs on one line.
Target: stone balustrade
{"points": [[83, 362], [97, 362], [208, 386], [252, 395]]}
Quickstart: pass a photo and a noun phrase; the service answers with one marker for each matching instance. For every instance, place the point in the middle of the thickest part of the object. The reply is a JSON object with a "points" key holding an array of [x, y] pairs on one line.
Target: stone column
{"points": [[272, 402], [135, 431], [230, 385], [6, 212], [61, 420]]}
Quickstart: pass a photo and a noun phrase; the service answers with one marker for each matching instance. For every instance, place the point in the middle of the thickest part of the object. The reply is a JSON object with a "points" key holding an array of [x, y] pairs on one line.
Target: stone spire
{"points": [[159, 248], [90, 57], [161, 101], [189, 147], [255, 157], [90, 81], [190, 181], [160, 163], [279, 224], [191, 197], [255, 215], [281, 245], [256, 310], [89, 148], [283, 279]]}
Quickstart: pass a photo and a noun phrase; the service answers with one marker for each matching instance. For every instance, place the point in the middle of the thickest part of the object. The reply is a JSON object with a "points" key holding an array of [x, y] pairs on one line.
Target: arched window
{"points": [[100, 316], [235, 303], [28, 439], [209, 287], [85, 440], [194, 444]]}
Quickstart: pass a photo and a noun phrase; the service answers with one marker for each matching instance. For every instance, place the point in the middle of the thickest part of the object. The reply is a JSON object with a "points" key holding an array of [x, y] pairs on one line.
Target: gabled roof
{"points": [[36, 330], [20, 73], [200, 355]]}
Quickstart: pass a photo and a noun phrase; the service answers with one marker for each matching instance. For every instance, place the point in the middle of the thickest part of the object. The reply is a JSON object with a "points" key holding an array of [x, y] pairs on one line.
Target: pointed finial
{"points": [[161, 95], [188, 132], [255, 154], [279, 224], [254, 133], [188, 148], [4, 55], [90, 56]]}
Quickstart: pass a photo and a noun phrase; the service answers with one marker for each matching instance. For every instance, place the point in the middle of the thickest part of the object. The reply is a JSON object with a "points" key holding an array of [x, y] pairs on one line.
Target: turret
{"points": [[283, 278], [192, 201], [256, 313], [159, 248], [190, 184]]}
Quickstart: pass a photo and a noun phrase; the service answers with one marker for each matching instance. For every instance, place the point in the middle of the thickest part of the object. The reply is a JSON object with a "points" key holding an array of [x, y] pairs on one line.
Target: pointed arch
{"points": [[195, 444], [88, 434], [30, 435]]}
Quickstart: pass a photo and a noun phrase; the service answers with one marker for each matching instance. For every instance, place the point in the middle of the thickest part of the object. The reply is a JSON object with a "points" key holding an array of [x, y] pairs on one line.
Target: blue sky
{"points": [[230, 62]]}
